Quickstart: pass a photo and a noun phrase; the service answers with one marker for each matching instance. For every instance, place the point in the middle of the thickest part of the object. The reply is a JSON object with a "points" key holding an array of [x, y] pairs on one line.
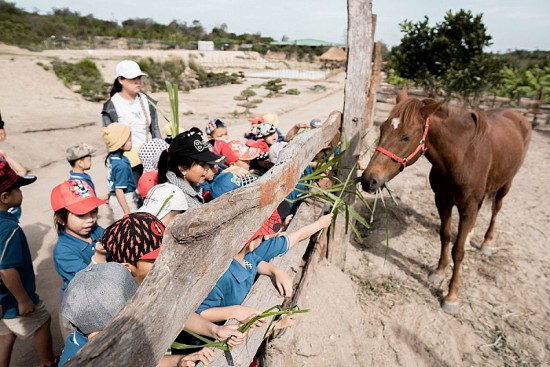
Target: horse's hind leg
{"points": [[445, 209], [487, 245]]}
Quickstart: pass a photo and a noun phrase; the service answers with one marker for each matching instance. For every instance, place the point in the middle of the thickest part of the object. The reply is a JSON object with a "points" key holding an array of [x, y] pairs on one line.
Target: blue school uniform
{"points": [[71, 254], [120, 174], [233, 286], [15, 254], [75, 341], [82, 176]]}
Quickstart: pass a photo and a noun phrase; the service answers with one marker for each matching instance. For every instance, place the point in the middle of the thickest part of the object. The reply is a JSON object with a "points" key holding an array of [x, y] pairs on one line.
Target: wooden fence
{"points": [[199, 246]]}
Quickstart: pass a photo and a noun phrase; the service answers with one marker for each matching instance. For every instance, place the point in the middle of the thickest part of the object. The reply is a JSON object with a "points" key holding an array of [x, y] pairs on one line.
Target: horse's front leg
{"points": [[445, 210], [467, 221], [487, 245]]}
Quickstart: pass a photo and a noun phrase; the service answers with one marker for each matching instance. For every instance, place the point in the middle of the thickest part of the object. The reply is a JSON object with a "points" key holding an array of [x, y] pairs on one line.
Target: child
{"points": [[224, 301], [134, 241], [186, 163], [216, 129], [237, 156], [149, 155], [75, 209], [268, 133], [95, 295], [79, 157], [122, 187], [22, 313], [164, 201]]}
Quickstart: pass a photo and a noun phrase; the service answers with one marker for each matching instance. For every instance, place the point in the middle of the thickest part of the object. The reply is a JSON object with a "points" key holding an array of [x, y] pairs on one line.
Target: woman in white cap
{"points": [[131, 107]]}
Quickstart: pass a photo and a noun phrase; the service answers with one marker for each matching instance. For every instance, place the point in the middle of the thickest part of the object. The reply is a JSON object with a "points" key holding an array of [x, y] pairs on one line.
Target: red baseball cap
{"points": [[76, 196], [147, 181], [235, 150], [10, 179]]}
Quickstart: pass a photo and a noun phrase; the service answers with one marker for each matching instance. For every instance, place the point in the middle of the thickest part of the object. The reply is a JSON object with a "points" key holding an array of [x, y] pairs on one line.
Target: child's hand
{"points": [[283, 282], [325, 220], [244, 313], [25, 307], [230, 331], [205, 356], [99, 248], [240, 172]]}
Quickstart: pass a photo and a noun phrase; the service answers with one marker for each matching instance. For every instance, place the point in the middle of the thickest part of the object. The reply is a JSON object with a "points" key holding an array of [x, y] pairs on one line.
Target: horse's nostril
{"points": [[369, 184]]}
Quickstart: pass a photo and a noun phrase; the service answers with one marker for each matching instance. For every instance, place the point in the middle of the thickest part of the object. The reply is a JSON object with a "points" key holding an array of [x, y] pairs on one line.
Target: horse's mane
{"points": [[409, 110]]}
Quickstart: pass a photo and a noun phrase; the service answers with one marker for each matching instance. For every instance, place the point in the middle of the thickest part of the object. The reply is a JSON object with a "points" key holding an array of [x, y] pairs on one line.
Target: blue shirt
{"points": [[227, 181], [120, 174], [75, 341], [71, 254], [82, 176], [16, 256], [233, 286]]}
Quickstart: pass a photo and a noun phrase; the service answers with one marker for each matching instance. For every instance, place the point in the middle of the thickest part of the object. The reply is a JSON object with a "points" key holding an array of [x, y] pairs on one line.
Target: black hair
{"points": [[60, 216], [117, 87], [119, 151]]}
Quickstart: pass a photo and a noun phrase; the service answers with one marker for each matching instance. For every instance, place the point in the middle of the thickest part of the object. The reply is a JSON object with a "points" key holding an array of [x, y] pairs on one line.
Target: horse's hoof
{"points": [[435, 279], [487, 251], [450, 307]]}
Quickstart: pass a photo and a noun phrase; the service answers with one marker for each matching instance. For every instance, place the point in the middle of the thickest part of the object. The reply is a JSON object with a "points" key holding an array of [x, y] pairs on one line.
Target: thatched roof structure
{"points": [[334, 54]]}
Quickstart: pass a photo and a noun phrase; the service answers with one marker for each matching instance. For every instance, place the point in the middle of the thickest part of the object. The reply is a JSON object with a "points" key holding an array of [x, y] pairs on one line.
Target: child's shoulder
{"points": [[272, 247]]}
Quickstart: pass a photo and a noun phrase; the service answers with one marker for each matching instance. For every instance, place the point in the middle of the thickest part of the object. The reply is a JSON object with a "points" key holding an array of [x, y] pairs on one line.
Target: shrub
{"points": [[83, 77]]}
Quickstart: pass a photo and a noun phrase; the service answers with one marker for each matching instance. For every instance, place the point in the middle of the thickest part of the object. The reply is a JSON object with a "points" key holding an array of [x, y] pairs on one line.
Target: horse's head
{"points": [[401, 140]]}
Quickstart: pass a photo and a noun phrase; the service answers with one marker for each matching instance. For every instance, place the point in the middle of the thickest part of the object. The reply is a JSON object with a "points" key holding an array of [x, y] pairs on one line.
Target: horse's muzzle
{"points": [[370, 183]]}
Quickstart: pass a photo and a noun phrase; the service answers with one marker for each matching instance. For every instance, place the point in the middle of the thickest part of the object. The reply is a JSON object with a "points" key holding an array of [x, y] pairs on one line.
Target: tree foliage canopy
{"points": [[448, 56]]}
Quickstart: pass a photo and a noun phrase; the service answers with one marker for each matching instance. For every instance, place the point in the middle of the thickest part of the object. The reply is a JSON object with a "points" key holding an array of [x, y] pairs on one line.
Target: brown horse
{"points": [[474, 154]]}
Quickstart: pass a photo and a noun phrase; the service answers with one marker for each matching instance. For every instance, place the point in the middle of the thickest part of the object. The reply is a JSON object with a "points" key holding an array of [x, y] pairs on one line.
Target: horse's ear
{"points": [[431, 106], [402, 95]]}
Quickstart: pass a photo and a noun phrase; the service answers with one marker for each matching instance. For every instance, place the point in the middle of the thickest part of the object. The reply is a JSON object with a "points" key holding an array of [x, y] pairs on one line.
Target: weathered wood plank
{"points": [[198, 247], [264, 295], [360, 44]]}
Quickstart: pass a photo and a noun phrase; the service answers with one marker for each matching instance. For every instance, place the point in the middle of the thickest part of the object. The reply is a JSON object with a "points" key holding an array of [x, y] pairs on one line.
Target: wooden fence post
{"points": [[360, 45]]}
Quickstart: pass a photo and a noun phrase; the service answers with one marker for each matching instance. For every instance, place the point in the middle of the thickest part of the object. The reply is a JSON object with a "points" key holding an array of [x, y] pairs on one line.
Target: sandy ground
{"points": [[380, 311]]}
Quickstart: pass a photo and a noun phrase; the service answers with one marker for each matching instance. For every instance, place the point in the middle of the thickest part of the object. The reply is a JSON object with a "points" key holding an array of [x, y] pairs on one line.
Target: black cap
{"points": [[191, 144]]}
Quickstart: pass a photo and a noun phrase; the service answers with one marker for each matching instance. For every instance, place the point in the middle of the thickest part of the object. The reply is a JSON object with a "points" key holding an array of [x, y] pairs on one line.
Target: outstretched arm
{"points": [[307, 231]]}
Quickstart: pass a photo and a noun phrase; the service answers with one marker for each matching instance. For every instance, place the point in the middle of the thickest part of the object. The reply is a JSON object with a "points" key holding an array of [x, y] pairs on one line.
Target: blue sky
{"points": [[512, 24]]}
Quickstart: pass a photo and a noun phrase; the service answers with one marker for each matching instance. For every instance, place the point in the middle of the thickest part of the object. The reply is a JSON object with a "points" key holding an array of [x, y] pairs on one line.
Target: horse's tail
{"points": [[481, 125]]}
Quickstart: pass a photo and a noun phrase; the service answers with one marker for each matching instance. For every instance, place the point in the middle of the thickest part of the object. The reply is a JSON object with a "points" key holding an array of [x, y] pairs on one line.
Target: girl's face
{"points": [[80, 226], [130, 86], [220, 134], [271, 139], [196, 174], [211, 172], [128, 145]]}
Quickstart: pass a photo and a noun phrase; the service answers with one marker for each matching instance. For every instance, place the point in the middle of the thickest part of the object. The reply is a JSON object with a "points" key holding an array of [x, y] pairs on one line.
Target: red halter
{"points": [[420, 148]]}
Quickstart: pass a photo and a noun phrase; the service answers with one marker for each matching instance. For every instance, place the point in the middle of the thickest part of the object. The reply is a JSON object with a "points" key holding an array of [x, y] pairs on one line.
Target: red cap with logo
{"points": [[76, 196], [10, 179]]}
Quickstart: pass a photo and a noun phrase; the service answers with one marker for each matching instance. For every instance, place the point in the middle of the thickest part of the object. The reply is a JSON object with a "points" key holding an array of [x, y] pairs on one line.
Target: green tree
{"points": [[448, 56]]}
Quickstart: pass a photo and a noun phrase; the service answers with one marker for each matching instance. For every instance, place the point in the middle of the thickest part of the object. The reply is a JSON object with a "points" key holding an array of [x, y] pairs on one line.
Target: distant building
{"points": [[307, 42], [205, 45]]}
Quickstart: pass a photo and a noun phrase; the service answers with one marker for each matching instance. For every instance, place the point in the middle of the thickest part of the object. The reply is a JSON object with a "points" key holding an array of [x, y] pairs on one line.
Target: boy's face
{"points": [[12, 197], [85, 163], [271, 139], [141, 269], [220, 134]]}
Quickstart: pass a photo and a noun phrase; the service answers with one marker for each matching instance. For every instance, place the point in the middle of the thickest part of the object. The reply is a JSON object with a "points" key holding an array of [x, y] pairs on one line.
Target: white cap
{"points": [[128, 69], [162, 199], [275, 150]]}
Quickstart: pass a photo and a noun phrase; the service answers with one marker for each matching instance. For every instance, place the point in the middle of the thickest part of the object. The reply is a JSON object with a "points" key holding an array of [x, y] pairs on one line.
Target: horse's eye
{"points": [[405, 138]]}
